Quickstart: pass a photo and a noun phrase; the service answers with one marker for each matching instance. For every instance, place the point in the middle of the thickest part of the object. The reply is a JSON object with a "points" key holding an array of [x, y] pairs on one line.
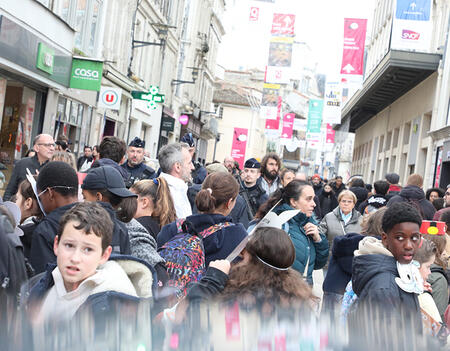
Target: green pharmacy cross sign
{"points": [[152, 96]]}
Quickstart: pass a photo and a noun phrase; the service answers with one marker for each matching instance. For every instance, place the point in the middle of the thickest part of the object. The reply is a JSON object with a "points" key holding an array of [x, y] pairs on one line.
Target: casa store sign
{"points": [[86, 74], [109, 98]]}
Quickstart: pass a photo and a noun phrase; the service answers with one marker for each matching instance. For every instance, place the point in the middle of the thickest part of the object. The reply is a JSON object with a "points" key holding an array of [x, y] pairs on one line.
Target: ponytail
{"points": [[205, 201], [217, 189]]}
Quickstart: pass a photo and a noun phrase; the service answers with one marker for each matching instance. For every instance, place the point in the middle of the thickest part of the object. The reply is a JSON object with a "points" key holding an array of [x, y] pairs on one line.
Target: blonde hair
{"points": [[158, 191], [347, 193], [66, 157]]}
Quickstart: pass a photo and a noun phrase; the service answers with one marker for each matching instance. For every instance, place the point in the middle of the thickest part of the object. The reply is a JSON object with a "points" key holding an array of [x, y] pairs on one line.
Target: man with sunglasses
{"points": [[44, 146]]}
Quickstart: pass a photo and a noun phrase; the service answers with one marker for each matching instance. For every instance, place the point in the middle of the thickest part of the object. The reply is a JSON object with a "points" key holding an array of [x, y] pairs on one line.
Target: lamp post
{"points": [[195, 72]]}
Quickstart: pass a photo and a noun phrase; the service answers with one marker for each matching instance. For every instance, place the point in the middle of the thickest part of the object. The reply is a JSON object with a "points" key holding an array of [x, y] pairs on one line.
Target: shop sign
{"points": [[45, 57], [86, 74], [109, 98], [152, 96], [168, 124]]}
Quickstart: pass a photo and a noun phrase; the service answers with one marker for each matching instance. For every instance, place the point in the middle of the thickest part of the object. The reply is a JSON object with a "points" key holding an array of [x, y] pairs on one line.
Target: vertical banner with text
{"points": [[288, 125], [332, 104], [239, 145], [314, 115], [330, 134], [269, 103], [354, 41]]}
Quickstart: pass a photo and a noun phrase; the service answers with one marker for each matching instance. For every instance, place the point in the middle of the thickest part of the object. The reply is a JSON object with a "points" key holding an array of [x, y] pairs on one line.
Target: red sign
{"points": [[254, 14], [288, 125], [330, 134], [354, 40], [273, 124], [283, 24], [239, 145]]}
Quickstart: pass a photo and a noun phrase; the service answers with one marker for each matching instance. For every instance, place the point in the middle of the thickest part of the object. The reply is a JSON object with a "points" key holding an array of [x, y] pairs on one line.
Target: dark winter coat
{"points": [[381, 302], [416, 197], [254, 197], [315, 254], [337, 190], [361, 195], [211, 285], [44, 236], [141, 171], [376, 201], [27, 236], [341, 263], [439, 285], [218, 245], [150, 224], [328, 202], [108, 162], [318, 188], [19, 174], [83, 159]]}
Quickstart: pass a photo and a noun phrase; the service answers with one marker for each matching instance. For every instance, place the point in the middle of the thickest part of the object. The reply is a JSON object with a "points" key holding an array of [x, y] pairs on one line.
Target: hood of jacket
{"points": [[377, 201], [108, 162], [142, 244], [372, 246], [366, 267], [54, 216], [438, 269], [343, 250], [126, 276], [412, 192]]}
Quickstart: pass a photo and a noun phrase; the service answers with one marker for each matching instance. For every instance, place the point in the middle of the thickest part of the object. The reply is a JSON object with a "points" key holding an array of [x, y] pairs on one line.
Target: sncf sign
{"points": [[109, 98], [410, 35], [86, 74]]}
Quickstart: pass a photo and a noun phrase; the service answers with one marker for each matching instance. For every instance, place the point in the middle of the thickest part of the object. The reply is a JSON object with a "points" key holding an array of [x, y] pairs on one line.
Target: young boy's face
{"points": [[78, 255], [402, 241]]}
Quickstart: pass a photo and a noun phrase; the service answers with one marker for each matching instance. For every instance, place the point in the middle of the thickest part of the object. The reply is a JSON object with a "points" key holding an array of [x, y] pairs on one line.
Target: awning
{"points": [[395, 75]]}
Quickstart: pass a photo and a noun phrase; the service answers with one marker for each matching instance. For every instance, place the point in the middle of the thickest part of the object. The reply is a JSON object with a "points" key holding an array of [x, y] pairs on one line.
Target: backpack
{"points": [[185, 255]]}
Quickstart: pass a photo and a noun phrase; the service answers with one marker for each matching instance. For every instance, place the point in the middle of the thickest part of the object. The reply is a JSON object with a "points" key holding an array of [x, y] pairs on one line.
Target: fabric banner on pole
{"points": [[288, 125], [269, 103], [412, 27], [354, 41], [239, 145], [314, 116], [283, 24], [332, 104], [330, 134], [280, 51]]}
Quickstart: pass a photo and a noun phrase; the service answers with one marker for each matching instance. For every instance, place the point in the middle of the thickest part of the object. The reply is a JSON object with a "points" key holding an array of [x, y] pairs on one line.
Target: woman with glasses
{"points": [[343, 219]]}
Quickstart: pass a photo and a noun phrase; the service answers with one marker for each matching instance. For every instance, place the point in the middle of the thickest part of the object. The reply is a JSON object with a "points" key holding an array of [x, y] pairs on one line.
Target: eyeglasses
{"points": [[56, 186], [48, 144]]}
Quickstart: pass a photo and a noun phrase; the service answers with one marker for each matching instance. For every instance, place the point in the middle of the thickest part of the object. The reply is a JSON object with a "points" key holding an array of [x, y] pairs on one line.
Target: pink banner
{"points": [[288, 125], [283, 24], [330, 134], [354, 40], [239, 145], [273, 124]]}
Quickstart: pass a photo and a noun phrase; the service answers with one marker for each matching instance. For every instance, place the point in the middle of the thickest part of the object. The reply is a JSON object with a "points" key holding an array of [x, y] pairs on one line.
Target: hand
{"points": [[221, 265], [427, 286], [311, 229]]}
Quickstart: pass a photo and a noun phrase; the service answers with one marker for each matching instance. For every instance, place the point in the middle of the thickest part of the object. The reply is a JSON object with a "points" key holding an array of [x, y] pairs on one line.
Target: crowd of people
{"points": [[108, 230]]}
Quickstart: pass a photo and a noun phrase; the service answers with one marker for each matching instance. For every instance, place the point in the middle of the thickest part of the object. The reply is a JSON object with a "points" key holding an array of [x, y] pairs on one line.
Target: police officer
{"points": [[251, 189], [135, 165], [199, 173]]}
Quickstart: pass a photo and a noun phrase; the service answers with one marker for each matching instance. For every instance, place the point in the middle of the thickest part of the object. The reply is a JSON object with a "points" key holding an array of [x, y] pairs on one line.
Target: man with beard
{"points": [[317, 184], [135, 163], [270, 167], [251, 189], [228, 162]]}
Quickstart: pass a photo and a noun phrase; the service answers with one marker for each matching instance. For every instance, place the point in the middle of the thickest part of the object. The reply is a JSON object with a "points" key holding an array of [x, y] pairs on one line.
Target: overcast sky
{"points": [[319, 23]]}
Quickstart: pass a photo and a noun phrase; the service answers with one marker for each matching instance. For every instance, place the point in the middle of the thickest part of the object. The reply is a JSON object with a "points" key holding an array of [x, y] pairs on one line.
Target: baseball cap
{"points": [[252, 163], [106, 177]]}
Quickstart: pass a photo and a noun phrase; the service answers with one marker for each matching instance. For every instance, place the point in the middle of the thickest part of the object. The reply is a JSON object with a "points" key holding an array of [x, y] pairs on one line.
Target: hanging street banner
{"points": [[329, 139], [270, 101], [239, 145], [86, 74], [283, 24], [332, 102], [314, 116], [288, 125], [354, 41], [280, 51], [109, 98], [254, 14], [412, 27], [277, 75]]}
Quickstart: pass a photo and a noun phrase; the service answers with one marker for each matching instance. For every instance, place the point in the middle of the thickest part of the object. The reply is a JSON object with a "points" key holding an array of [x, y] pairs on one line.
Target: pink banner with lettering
{"points": [[288, 125], [330, 134], [239, 145], [354, 41]]}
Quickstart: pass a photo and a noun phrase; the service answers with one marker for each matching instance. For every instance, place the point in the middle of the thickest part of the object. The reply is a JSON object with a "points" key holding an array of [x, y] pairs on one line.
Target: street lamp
{"points": [[163, 33], [195, 72]]}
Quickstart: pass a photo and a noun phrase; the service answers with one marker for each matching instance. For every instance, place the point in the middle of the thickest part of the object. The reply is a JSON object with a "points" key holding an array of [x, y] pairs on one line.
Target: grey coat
{"points": [[332, 224]]}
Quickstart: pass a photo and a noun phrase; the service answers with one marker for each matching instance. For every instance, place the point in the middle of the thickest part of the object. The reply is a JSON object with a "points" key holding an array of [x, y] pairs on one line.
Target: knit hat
{"points": [[316, 176], [392, 178]]}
